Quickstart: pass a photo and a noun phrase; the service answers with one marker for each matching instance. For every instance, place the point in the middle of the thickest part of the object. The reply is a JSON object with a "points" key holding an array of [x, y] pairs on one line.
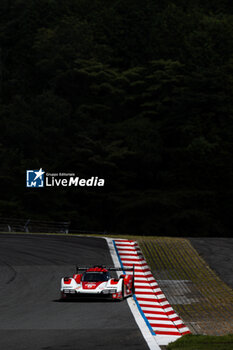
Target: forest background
{"points": [[139, 93]]}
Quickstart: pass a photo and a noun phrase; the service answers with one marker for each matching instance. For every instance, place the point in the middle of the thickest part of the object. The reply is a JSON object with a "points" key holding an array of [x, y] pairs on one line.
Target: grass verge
{"points": [[202, 342]]}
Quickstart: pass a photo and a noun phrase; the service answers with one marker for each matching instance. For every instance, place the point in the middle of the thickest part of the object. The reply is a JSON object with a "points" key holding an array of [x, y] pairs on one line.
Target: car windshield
{"points": [[95, 276]]}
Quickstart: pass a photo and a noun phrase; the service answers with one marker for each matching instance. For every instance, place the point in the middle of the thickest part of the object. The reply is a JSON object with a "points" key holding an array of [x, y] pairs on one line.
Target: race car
{"points": [[96, 282]]}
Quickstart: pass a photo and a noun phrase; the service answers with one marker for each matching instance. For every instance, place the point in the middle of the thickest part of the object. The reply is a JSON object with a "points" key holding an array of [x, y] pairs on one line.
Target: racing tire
{"points": [[65, 297], [133, 287], [123, 292]]}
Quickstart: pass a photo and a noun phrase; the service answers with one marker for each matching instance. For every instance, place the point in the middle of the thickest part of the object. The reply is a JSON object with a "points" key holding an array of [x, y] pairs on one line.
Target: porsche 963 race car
{"points": [[97, 282]]}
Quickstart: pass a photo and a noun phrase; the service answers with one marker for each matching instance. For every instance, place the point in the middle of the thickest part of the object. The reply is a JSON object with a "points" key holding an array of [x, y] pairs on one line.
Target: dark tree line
{"points": [[140, 94]]}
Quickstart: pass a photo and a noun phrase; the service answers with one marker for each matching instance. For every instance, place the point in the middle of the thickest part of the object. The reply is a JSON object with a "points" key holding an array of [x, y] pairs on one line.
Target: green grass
{"points": [[203, 342]]}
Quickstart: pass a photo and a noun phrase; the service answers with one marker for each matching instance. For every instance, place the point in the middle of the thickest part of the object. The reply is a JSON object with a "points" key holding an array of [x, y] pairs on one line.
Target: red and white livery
{"points": [[97, 282]]}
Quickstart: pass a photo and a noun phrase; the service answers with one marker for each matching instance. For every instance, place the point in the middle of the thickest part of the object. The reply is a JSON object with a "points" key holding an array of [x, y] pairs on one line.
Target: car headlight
{"points": [[109, 291], [106, 291], [113, 291]]}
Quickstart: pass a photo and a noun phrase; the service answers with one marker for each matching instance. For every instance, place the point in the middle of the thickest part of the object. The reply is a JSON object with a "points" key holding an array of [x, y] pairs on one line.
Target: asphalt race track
{"points": [[218, 253], [31, 315]]}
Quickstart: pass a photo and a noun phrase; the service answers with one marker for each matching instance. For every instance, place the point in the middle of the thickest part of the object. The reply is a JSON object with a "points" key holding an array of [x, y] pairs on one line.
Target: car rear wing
{"points": [[109, 268], [120, 268]]}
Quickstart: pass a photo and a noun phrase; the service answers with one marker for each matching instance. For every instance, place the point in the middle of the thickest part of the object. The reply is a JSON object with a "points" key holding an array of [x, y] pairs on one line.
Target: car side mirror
{"points": [[122, 276]]}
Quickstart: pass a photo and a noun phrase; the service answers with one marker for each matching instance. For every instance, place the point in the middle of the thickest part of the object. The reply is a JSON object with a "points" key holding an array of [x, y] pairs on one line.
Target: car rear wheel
{"points": [[64, 296], [122, 292], [133, 287]]}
